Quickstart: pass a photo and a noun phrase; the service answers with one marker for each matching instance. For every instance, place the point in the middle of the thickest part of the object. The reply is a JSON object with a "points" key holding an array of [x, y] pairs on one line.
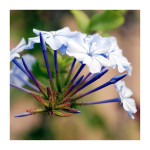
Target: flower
{"points": [[116, 57], [59, 98], [18, 77], [55, 39], [19, 48], [125, 94], [90, 51], [55, 101]]}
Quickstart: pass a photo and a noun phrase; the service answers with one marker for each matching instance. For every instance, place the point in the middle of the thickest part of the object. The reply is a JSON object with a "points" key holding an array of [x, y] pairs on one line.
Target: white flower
{"points": [[55, 39], [90, 50], [16, 75], [125, 94], [19, 48], [116, 57]]}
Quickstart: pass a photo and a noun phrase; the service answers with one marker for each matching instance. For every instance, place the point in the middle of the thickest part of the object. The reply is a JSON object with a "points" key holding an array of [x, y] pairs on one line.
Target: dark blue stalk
{"points": [[86, 77], [55, 61], [27, 83], [23, 114], [70, 72], [95, 74], [92, 76], [20, 67], [33, 78], [73, 86], [100, 102], [72, 66], [112, 81], [96, 77], [44, 50], [20, 88], [76, 75], [57, 73]]}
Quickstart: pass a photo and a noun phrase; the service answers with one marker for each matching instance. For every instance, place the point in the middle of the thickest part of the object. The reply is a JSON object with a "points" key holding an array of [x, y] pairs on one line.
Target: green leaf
{"points": [[106, 21], [82, 19], [120, 11]]}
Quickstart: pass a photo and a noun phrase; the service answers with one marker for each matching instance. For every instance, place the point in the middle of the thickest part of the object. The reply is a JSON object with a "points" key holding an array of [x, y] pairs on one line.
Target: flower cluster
{"points": [[98, 53]]}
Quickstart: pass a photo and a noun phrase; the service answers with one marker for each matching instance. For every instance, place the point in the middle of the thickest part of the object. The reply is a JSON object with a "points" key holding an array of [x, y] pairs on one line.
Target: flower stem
{"points": [[20, 67], [72, 87], [44, 50], [27, 83], [33, 78], [85, 78], [111, 81], [57, 73], [76, 75], [99, 102], [23, 89], [23, 114], [95, 77], [70, 72], [48, 70]]}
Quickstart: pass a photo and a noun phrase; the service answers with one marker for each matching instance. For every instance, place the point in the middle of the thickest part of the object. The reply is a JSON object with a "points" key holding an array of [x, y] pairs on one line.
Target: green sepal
{"points": [[39, 110], [61, 114], [62, 105]]}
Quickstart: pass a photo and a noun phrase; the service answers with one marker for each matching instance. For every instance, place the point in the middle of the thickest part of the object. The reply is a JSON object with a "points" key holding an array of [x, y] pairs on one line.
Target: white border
{"points": [[76, 4]]}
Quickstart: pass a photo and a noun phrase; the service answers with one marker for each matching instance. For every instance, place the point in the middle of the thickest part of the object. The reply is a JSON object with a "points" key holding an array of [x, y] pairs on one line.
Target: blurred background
{"points": [[96, 122]]}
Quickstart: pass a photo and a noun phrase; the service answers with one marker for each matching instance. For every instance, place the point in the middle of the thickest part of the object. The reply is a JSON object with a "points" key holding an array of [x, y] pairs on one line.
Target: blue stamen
{"points": [[112, 81], [100, 102], [73, 86], [27, 83], [20, 88], [95, 74], [42, 42], [70, 72], [72, 66], [96, 77], [20, 67], [55, 61], [117, 78], [86, 77], [57, 73], [76, 75], [23, 114], [43, 47], [77, 82], [33, 78]]}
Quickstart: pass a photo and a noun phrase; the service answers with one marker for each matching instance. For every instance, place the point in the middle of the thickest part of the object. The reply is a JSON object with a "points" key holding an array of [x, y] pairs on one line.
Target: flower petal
{"points": [[13, 55], [102, 60], [22, 42], [129, 105], [93, 64], [130, 114]]}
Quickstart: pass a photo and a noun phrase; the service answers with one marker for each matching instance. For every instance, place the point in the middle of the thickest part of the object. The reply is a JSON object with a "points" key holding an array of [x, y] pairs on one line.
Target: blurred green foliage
{"points": [[99, 22], [82, 20]]}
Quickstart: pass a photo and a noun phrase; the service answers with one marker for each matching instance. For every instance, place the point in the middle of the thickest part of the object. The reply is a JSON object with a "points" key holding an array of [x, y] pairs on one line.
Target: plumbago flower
{"points": [[55, 39], [97, 52], [125, 94], [19, 48]]}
